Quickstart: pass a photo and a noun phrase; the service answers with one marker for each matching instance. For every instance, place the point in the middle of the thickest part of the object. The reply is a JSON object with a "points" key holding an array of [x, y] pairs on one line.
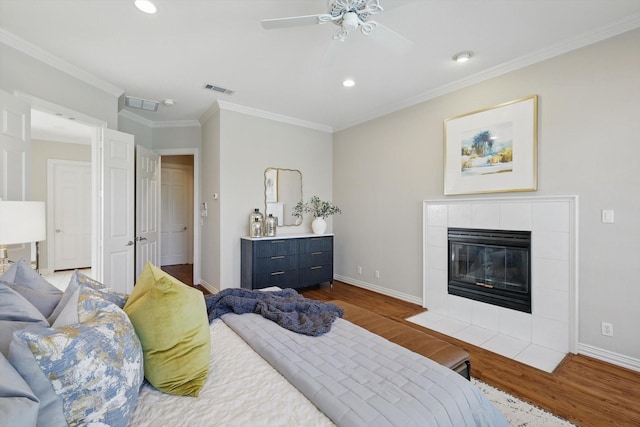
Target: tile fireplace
{"points": [[539, 335]]}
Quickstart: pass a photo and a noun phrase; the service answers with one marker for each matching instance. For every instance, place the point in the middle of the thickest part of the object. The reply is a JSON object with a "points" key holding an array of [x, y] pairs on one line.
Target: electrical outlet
{"points": [[359, 269], [607, 329], [377, 274]]}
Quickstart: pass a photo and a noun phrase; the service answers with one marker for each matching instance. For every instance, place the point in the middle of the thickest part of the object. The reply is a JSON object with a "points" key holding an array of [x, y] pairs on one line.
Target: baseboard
{"points": [[609, 357], [209, 287], [379, 289]]}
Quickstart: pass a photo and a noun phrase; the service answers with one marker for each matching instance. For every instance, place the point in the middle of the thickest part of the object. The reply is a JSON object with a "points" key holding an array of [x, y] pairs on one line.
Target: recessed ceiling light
{"points": [[146, 6], [168, 102], [348, 83], [462, 56]]}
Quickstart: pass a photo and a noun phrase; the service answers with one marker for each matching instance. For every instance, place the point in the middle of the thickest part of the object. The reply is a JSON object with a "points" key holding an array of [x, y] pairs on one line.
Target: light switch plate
{"points": [[607, 216]]}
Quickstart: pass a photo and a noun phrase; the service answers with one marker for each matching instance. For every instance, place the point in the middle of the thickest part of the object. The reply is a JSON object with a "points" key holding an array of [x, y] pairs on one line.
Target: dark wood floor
{"points": [[583, 390]]}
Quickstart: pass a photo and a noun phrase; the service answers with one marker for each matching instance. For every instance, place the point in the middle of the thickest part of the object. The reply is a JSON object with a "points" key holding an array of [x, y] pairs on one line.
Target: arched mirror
{"points": [[282, 191]]}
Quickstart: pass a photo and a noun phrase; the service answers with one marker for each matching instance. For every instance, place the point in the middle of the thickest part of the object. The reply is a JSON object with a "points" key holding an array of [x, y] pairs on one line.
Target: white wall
{"points": [[589, 110], [247, 146]]}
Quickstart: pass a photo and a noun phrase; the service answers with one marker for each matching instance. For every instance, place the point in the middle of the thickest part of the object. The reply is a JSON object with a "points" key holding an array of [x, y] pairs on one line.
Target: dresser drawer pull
{"points": [[317, 267], [316, 238], [277, 257], [277, 273], [316, 253], [277, 241]]}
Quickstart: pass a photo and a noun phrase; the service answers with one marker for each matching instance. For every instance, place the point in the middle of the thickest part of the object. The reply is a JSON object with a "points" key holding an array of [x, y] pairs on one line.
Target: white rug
{"points": [[518, 412]]}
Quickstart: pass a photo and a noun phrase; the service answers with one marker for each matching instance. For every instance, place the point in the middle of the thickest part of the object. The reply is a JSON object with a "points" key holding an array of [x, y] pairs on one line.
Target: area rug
{"points": [[518, 412]]}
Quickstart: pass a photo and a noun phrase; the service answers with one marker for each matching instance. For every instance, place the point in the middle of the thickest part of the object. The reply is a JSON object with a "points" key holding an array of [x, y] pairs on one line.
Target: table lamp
{"points": [[20, 222]]}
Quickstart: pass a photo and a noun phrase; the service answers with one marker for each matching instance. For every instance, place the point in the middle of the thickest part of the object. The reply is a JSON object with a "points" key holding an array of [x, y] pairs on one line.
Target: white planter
{"points": [[319, 226]]}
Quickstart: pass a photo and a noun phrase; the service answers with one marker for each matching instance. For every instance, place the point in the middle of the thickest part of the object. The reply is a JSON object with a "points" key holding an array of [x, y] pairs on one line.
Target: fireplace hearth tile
{"points": [[506, 346], [540, 357], [475, 335]]}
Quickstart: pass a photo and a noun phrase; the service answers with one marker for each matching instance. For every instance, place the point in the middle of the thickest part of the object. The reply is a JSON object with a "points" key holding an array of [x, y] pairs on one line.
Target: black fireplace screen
{"points": [[491, 266]]}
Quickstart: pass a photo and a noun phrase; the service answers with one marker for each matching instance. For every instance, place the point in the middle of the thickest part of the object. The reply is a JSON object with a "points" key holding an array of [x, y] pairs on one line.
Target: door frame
{"points": [[51, 163], [195, 152]]}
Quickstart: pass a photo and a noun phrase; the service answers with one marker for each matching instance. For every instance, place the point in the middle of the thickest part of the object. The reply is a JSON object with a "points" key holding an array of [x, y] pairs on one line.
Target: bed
{"points": [[257, 373]]}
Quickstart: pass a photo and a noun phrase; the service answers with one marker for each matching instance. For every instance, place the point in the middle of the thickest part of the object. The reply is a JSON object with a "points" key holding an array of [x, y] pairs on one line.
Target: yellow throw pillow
{"points": [[170, 318]]}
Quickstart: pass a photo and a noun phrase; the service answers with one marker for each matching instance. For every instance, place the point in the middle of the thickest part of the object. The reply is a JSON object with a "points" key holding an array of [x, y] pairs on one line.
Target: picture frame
{"points": [[492, 150]]}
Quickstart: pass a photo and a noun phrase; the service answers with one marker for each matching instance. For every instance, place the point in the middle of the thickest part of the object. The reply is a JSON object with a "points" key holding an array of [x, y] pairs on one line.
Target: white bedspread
{"points": [[242, 390]]}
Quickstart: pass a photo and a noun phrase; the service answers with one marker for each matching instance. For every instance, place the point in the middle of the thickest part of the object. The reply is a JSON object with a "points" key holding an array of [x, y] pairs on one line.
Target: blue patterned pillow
{"points": [[93, 368], [78, 280]]}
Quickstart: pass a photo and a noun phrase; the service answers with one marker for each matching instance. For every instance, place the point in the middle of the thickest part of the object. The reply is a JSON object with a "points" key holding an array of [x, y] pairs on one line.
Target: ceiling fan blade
{"points": [[391, 40], [294, 21], [331, 53]]}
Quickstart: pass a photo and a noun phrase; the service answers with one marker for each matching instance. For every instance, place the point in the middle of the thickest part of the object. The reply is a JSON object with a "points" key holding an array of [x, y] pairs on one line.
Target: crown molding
{"points": [[224, 105], [627, 24], [40, 54]]}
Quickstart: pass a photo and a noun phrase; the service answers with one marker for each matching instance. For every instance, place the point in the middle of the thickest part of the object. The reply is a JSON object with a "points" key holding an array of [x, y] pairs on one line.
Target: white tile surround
{"points": [[540, 339]]}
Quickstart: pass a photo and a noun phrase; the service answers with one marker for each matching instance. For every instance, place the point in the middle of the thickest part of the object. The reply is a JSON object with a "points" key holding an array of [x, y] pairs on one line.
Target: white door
{"points": [[71, 215], [117, 210], [147, 207], [15, 148], [176, 205]]}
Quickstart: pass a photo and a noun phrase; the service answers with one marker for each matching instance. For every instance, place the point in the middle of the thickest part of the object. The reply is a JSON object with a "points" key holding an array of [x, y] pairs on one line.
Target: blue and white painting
{"points": [[488, 150]]}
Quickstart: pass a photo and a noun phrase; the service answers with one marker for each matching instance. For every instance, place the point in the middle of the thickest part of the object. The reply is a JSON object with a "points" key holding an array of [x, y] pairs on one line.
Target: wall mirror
{"points": [[282, 191]]}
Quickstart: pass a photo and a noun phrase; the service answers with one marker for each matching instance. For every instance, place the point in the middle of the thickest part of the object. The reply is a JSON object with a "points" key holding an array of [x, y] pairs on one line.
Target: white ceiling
{"points": [[190, 43]]}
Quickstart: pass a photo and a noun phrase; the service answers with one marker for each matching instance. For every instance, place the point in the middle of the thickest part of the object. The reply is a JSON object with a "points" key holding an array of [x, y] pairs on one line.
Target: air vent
{"points": [[142, 104], [218, 89]]}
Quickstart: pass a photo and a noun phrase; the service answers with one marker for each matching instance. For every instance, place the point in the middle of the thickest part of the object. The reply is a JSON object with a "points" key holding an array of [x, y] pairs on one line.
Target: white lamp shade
{"points": [[22, 222]]}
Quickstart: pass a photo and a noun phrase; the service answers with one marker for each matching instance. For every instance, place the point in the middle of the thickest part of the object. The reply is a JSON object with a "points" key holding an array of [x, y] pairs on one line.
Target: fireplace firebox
{"points": [[491, 266]]}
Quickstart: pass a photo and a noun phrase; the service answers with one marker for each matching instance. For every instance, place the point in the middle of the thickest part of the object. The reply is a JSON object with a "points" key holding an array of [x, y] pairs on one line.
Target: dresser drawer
{"points": [[316, 258], [316, 244], [276, 263], [268, 248], [282, 279], [316, 274]]}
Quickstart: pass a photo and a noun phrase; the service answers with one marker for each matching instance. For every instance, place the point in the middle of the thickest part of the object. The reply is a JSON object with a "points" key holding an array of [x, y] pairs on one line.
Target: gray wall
{"points": [[23, 73], [241, 147], [589, 122]]}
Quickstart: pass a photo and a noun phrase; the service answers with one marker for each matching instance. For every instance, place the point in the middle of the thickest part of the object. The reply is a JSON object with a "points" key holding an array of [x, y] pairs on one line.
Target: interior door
{"points": [[71, 215], [117, 177], [147, 207], [175, 216], [15, 147], [15, 157]]}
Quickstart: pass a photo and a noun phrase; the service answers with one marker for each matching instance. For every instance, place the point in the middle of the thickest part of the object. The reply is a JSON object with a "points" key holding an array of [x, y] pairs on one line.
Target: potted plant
{"points": [[320, 209]]}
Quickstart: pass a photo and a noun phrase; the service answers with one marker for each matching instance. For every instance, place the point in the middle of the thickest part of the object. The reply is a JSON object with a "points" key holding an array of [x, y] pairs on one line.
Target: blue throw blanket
{"points": [[287, 308]]}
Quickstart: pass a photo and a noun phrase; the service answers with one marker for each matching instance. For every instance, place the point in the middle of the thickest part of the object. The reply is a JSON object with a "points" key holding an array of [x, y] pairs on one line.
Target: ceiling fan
{"points": [[349, 15]]}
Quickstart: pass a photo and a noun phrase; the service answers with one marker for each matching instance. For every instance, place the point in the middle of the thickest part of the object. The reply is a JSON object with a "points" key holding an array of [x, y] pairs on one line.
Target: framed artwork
{"points": [[492, 150]]}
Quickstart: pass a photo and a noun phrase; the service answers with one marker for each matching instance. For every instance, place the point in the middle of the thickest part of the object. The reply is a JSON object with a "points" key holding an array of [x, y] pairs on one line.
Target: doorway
{"points": [[176, 228], [187, 159], [61, 175]]}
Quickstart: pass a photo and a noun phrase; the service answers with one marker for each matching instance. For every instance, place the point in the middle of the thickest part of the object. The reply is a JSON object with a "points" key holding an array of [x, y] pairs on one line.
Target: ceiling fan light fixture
{"points": [[146, 6], [348, 83], [462, 57]]}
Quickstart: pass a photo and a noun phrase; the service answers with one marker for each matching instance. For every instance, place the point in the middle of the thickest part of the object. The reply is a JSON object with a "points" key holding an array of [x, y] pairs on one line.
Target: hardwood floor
{"points": [[585, 391]]}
